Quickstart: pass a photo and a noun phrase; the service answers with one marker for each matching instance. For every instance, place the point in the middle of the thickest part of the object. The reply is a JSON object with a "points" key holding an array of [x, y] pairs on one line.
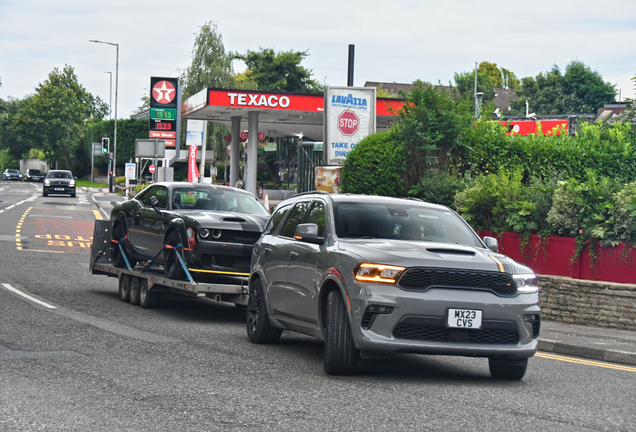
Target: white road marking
{"points": [[26, 296]]}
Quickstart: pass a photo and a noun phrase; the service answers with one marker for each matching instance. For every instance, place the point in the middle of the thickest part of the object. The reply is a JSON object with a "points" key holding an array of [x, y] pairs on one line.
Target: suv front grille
{"points": [[433, 330], [421, 279]]}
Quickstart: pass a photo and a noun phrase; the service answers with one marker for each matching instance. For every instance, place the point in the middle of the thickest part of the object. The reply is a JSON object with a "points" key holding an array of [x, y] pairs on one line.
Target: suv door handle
{"points": [[293, 255]]}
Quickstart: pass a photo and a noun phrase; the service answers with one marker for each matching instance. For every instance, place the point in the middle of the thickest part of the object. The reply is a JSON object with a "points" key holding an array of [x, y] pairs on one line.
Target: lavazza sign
{"points": [[349, 118]]}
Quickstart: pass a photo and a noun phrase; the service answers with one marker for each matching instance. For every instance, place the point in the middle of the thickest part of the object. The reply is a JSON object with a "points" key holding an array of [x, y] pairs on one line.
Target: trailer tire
{"points": [[259, 329], [147, 298], [134, 290], [124, 288], [171, 265]]}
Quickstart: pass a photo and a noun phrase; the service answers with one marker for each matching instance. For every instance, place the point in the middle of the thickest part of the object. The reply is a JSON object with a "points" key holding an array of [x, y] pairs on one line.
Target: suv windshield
{"points": [[13, 171], [35, 172], [401, 222], [59, 174]]}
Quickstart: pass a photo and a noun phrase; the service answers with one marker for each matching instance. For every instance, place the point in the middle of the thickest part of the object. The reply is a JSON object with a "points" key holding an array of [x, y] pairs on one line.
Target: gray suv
{"points": [[372, 275]]}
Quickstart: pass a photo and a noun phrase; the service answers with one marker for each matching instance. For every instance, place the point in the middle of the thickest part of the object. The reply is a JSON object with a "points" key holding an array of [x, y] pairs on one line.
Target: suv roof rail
{"points": [[320, 192]]}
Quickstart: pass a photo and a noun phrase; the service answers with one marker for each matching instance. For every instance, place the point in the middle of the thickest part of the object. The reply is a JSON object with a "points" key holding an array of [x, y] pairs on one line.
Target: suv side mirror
{"points": [[308, 233], [492, 243]]}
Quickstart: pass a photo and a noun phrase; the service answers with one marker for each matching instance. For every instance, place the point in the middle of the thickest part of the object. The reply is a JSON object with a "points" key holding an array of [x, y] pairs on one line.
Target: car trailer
{"points": [[144, 285]]}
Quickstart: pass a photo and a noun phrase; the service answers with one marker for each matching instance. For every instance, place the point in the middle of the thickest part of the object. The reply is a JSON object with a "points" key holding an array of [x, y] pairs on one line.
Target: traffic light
{"points": [[105, 143]]}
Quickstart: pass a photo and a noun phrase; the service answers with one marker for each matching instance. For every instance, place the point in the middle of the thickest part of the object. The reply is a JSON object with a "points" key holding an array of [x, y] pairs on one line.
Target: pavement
{"points": [[589, 342]]}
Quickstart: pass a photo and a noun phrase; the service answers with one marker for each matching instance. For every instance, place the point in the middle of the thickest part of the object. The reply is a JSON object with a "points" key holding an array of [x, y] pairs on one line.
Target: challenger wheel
{"points": [[115, 253], [171, 264]]}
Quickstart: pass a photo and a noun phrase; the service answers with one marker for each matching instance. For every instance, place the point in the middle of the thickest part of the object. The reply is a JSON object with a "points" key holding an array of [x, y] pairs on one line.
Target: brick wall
{"points": [[603, 304]]}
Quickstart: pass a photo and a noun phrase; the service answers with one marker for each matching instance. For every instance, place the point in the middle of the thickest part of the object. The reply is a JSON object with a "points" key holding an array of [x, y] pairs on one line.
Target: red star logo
{"points": [[164, 92]]}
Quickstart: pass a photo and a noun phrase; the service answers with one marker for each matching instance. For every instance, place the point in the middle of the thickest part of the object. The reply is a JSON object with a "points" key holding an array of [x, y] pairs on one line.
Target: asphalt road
{"points": [[74, 357]]}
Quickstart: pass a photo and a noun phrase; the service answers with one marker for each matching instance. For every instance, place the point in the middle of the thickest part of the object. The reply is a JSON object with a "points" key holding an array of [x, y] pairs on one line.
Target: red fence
{"points": [[554, 257]]}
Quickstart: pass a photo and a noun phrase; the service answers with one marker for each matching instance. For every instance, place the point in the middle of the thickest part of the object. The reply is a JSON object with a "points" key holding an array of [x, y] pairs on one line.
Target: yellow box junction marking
{"points": [[18, 230], [63, 240]]}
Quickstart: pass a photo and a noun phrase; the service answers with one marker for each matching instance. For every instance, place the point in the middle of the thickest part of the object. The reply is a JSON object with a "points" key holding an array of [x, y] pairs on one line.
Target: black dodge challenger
{"points": [[212, 227]]}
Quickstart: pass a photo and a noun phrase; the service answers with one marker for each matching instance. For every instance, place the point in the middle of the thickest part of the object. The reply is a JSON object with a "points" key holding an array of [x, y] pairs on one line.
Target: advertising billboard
{"points": [[349, 118]]}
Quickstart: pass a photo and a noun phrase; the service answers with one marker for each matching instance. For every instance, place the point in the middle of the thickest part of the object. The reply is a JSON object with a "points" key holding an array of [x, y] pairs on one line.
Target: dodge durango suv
{"points": [[372, 275]]}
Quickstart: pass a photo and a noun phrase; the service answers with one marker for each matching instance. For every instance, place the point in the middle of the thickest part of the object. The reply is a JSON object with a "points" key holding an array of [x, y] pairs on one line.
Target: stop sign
{"points": [[151, 168], [348, 123]]}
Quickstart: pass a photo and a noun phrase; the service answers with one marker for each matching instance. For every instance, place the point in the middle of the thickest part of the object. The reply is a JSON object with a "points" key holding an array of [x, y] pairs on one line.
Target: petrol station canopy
{"points": [[279, 114]]}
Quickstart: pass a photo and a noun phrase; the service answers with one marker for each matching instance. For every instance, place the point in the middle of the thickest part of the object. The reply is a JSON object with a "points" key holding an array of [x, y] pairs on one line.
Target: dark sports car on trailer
{"points": [[213, 228]]}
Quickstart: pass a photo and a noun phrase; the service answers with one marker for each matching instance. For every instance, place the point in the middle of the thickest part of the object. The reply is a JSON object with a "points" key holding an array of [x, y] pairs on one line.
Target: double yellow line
{"points": [[586, 362]]}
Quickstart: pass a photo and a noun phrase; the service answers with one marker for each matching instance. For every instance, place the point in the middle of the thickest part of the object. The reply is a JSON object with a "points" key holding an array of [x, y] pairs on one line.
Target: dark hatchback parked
{"points": [[33, 175], [213, 228], [59, 182]]}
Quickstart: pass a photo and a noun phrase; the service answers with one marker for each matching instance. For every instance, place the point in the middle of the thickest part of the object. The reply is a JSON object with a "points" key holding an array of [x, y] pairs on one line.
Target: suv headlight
{"points": [[367, 272], [47, 182], [71, 183], [526, 283]]}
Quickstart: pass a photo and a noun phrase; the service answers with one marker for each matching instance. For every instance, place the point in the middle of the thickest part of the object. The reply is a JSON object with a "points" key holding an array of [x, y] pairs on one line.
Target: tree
{"points": [[55, 117], [509, 79], [493, 72], [465, 82], [14, 148], [211, 66], [279, 71], [579, 91], [431, 127]]}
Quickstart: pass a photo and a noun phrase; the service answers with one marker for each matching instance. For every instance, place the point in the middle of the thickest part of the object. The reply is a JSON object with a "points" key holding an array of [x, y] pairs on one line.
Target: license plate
{"points": [[464, 318], [59, 189]]}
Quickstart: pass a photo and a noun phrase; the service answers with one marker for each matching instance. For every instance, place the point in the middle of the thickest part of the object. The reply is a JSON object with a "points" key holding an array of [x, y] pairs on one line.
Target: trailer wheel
{"points": [[259, 329], [147, 298], [124, 288], [134, 290], [171, 264]]}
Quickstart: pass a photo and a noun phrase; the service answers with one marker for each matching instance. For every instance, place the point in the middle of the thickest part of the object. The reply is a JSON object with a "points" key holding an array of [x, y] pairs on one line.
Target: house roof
{"points": [[501, 100]]}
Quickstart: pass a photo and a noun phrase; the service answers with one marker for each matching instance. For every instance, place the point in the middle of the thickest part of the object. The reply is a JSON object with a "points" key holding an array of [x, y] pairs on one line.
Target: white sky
{"points": [[395, 41]]}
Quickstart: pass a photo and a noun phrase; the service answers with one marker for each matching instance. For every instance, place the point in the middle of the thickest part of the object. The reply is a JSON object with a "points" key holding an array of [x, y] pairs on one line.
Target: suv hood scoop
{"points": [[451, 251]]}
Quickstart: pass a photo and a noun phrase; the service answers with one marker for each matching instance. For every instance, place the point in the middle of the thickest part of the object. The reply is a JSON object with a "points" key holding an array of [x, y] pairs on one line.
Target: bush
{"points": [[502, 203], [624, 229], [141, 186], [120, 180], [375, 167], [439, 187], [585, 209]]}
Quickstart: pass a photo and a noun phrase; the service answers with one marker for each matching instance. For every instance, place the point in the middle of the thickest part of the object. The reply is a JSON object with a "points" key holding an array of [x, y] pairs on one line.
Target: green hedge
{"points": [[606, 149], [375, 167]]}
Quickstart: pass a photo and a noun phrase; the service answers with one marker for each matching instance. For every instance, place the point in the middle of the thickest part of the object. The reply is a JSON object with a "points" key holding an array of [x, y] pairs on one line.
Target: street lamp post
{"points": [[112, 182], [110, 95]]}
